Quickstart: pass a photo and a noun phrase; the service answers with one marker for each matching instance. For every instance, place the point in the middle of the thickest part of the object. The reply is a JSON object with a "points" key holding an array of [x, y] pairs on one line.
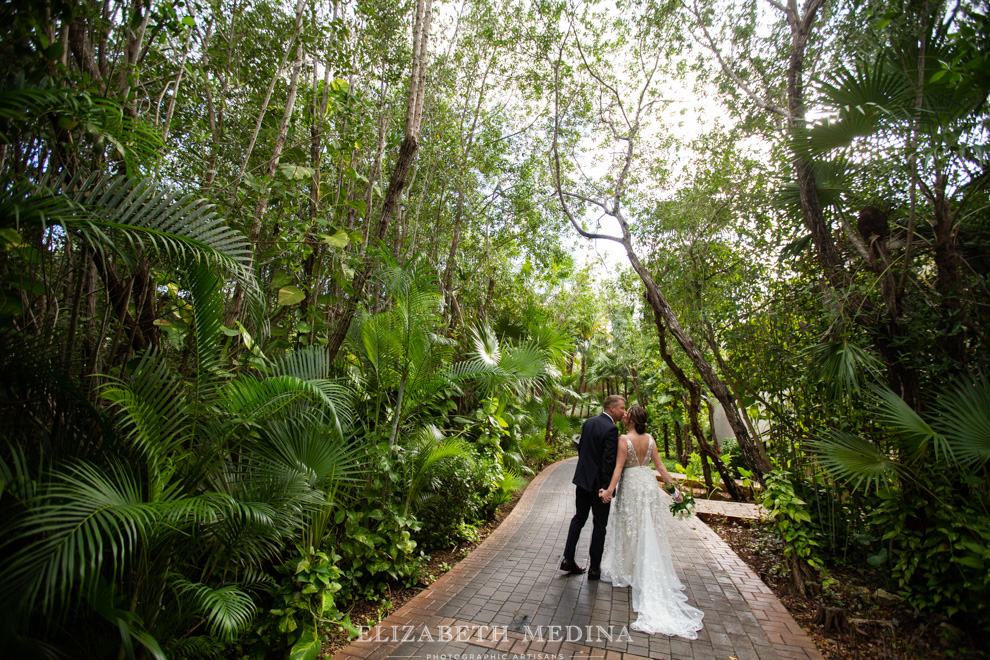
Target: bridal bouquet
{"points": [[684, 508]]}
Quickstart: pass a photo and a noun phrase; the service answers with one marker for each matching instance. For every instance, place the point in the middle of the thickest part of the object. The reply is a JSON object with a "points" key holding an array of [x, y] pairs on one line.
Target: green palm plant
{"points": [[956, 436], [925, 479], [128, 217], [506, 368], [34, 111], [399, 349], [420, 457], [210, 480], [511, 378]]}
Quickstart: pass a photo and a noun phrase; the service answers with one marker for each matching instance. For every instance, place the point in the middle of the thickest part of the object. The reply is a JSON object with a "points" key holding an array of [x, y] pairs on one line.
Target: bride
{"points": [[637, 552]]}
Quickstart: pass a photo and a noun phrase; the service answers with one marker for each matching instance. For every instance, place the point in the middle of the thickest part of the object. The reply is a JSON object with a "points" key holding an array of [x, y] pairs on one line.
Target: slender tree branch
{"points": [[709, 44]]}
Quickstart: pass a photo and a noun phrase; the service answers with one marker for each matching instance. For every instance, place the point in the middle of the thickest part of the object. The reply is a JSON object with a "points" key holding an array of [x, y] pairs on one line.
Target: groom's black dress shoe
{"points": [[571, 567], [594, 575]]}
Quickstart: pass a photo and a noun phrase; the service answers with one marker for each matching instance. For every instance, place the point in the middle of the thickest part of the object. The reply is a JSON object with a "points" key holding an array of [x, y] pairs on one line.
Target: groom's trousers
{"points": [[586, 502]]}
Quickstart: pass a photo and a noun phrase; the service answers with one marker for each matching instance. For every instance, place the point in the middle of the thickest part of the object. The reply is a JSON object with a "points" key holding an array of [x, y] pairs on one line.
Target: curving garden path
{"points": [[507, 600]]}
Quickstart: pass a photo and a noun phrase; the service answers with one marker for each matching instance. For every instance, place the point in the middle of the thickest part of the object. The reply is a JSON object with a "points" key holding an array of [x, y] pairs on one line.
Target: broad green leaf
{"points": [[11, 238], [359, 206], [338, 240], [297, 172], [246, 336], [290, 295]]}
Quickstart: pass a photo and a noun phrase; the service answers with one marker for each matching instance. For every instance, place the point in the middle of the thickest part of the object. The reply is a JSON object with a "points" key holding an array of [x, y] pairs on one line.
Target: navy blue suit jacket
{"points": [[596, 453]]}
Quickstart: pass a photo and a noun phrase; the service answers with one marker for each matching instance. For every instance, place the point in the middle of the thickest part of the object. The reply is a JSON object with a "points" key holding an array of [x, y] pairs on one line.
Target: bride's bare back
{"points": [[642, 446]]}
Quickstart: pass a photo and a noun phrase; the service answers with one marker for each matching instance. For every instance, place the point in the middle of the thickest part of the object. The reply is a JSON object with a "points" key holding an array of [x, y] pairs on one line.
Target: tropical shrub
{"points": [[449, 511], [937, 552], [376, 545], [924, 484]]}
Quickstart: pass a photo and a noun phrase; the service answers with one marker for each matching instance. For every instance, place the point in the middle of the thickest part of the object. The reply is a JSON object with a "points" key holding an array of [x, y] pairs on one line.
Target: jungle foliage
{"points": [[266, 344]]}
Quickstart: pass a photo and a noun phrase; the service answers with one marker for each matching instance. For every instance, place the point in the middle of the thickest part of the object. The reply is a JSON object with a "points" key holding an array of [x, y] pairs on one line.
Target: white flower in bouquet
{"points": [[685, 508]]}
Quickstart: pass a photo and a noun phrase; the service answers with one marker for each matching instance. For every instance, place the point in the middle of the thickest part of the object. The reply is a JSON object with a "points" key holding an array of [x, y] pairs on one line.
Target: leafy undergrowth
{"points": [[366, 612], [875, 626]]}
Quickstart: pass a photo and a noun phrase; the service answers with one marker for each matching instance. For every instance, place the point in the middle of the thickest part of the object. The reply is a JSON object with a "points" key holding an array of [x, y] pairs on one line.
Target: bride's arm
{"points": [[620, 461], [662, 469]]}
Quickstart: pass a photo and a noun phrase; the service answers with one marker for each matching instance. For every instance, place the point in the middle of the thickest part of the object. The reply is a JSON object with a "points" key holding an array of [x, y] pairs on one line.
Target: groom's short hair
{"points": [[611, 401]]}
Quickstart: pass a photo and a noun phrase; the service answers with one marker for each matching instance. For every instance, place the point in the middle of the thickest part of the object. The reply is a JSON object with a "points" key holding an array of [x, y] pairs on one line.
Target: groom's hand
{"points": [[603, 494]]}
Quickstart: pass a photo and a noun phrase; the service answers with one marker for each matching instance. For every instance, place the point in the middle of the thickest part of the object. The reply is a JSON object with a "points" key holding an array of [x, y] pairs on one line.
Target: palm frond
{"points": [[963, 420], [425, 450], [555, 342], [311, 365], [149, 402], [228, 610], [211, 507], [302, 442], [206, 298], [16, 480], [84, 519], [266, 508], [133, 138], [842, 366], [115, 609], [195, 648], [130, 216], [487, 349], [867, 97], [257, 399], [307, 363], [849, 458], [527, 366], [913, 431], [532, 446]]}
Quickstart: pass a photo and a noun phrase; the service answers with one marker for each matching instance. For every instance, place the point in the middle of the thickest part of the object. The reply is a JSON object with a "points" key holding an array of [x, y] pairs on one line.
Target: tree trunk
{"points": [[814, 218], [549, 430], [134, 28], [407, 151], [693, 405], [663, 313], [315, 148], [947, 277], [300, 8], [581, 386], [733, 381], [664, 318], [254, 233], [448, 273], [640, 398], [167, 124], [706, 471]]}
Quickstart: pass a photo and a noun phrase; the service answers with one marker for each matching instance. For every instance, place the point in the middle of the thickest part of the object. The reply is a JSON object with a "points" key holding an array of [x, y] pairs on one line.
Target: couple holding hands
{"points": [[629, 545]]}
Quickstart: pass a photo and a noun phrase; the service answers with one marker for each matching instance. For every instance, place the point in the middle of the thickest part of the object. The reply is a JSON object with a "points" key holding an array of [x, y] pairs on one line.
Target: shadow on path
{"points": [[507, 600]]}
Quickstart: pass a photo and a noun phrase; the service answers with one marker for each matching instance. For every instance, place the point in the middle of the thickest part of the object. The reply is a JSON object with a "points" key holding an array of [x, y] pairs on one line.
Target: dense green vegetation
{"points": [[289, 295]]}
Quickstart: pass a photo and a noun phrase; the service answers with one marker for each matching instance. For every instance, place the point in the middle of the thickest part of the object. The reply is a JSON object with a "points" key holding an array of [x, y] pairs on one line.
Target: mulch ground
{"points": [[369, 612], [864, 625]]}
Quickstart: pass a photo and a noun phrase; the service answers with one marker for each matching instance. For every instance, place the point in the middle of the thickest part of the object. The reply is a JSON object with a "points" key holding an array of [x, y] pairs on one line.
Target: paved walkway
{"points": [[730, 509], [507, 600]]}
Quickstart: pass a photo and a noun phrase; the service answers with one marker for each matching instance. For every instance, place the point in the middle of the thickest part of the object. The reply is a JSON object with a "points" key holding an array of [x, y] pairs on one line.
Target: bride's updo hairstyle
{"points": [[637, 418]]}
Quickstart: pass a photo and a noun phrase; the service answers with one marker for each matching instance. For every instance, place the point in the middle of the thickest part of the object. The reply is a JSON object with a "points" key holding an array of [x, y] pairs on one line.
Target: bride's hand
{"points": [[678, 498]]}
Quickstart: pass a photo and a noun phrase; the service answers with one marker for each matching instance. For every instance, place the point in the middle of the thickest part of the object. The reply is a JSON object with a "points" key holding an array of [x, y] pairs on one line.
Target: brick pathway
{"points": [[507, 600]]}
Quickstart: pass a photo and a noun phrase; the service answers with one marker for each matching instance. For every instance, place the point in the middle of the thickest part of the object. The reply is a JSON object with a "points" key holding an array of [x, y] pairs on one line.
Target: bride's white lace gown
{"points": [[637, 552]]}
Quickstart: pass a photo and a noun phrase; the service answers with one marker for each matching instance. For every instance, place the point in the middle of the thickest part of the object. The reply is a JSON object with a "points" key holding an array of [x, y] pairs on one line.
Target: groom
{"points": [[596, 461]]}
